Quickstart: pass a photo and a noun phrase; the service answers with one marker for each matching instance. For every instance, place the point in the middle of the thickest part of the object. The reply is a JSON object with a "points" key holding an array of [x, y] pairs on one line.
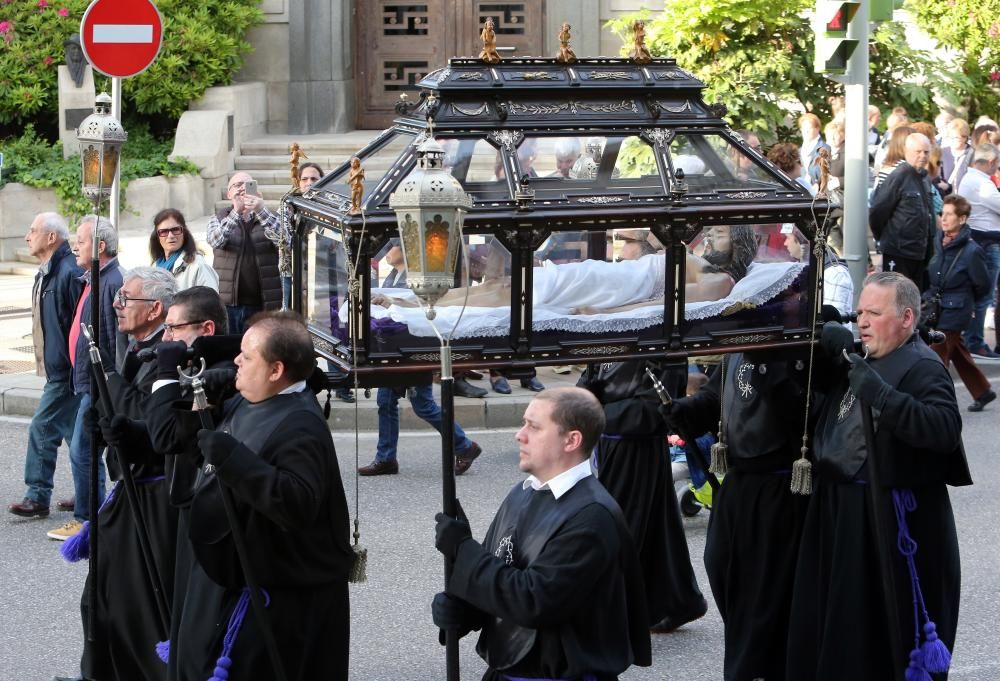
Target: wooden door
{"points": [[400, 42]]}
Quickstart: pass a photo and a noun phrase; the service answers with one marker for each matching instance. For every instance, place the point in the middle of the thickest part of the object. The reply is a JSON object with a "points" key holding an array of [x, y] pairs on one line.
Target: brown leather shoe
{"points": [[29, 509], [390, 467], [464, 460], [68, 505]]}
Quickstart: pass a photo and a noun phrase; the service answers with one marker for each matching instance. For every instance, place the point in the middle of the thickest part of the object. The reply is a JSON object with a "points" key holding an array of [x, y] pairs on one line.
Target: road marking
{"points": [[123, 33]]}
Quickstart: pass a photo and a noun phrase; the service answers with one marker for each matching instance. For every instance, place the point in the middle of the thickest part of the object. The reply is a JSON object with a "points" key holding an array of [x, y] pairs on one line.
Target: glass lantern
{"points": [[101, 137]]}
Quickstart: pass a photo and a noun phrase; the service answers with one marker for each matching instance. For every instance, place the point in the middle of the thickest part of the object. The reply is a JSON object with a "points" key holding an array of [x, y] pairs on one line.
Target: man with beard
{"points": [[274, 454], [840, 627]]}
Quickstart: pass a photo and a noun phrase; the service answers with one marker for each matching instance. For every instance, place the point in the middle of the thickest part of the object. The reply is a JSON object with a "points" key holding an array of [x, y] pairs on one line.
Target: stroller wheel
{"points": [[690, 506]]}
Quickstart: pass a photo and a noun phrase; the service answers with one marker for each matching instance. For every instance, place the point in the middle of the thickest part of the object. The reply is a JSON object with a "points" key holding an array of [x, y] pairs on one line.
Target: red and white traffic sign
{"points": [[121, 37]]}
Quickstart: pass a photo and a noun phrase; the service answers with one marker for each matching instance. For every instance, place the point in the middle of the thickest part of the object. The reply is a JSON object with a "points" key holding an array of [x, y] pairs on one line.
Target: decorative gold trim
{"points": [[436, 356], [599, 350], [601, 199], [749, 338], [541, 109], [489, 52], [537, 109], [639, 53], [747, 195], [538, 75], [506, 138], [686, 106], [609, 75], [475, 75]]}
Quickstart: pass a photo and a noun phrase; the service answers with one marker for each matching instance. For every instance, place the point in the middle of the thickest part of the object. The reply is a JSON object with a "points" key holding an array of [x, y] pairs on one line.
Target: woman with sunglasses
{"points": [[172, 247]]}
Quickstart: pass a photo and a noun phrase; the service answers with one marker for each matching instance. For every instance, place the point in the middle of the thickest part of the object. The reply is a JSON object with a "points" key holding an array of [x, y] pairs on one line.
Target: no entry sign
{"points": [[121, 37]]}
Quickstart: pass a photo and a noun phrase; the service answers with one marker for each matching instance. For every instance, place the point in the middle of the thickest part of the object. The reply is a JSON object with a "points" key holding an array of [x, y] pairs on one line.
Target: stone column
{"points": [[75, 104], [321, 83]]}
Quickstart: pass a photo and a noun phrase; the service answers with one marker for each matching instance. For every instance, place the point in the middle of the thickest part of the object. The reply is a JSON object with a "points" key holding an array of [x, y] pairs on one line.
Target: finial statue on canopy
{"points": [[566, 54], [293, 162], [356, 178], [489, 52], [639, 53]]}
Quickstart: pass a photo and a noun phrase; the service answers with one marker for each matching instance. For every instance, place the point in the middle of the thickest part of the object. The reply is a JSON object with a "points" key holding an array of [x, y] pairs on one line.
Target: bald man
{"points": [[902, 215], [245, 258]]}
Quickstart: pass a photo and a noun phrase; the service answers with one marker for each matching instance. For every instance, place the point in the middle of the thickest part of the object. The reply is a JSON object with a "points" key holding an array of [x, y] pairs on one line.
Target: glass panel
{"points": [[742, 276], [711, 162], [325, 273], [561, 166], [374, 163], [478, 165]]}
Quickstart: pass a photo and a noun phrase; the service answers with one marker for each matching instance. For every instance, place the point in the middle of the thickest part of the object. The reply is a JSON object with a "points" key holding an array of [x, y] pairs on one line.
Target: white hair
{"points": [[103, 231], [53, 223], [157, 284]]}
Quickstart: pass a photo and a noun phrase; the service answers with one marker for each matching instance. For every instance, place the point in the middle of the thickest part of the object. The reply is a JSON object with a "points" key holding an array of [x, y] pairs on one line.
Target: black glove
{"points": [[835, 340], [451, 532], [866, 384], [216, 349], [128, 437], [169, 356], [451, 613], [679, 415], [216, 446], [219, 384]]}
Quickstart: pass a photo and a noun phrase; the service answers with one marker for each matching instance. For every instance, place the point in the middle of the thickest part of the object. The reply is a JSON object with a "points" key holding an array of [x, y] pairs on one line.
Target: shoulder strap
{"points": [[942, 280]]}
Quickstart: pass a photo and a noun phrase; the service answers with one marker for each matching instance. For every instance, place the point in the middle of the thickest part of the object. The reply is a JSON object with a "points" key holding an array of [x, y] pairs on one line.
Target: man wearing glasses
{"points": [[112, 344], [245, 259]]}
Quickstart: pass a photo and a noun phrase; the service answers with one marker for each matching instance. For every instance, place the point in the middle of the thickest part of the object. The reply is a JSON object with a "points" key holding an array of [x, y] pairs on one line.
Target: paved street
{"points": [[392, 636]]}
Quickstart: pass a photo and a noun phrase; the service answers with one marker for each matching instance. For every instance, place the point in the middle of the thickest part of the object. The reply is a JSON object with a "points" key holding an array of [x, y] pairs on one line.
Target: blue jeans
{"points": [[424, 406], [79, 458], [50, 426], [974, 335], [238, 316]]}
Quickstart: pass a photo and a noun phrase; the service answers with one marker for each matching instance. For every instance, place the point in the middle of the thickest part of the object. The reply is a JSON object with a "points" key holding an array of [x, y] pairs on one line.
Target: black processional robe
{"points": [[556, 587], [290, 499], [756, 522], [839, 623], [128, 623], [633, 463]]}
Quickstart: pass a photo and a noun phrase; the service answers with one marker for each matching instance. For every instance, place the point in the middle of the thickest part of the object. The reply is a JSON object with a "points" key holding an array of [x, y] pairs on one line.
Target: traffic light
{"points": [[833, 47], [881, 10]]}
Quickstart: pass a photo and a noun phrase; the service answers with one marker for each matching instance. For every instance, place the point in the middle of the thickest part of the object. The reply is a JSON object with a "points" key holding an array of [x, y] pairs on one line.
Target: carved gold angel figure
{"points": [[356, 178], [293, 162], [489, 52], [639, 53], [566, 53]]}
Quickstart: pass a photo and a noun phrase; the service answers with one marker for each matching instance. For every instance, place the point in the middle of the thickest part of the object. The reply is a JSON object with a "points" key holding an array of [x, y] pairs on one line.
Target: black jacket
{"points": [[968, 279], [901, 216], [60, 292]]}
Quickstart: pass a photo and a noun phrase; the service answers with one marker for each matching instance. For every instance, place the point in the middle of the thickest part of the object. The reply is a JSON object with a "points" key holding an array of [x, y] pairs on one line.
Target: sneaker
{"points": [[983, 400], [464, 460], [984, 354], [66, 531]]}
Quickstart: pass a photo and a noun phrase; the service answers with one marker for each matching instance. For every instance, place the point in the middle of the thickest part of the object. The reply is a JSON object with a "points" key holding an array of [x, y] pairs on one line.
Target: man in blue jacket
{"points": [[54, 298], [111, 342]]}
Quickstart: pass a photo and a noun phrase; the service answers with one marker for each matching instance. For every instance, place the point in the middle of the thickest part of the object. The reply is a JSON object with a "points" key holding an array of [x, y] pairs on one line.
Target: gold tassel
{"points": [[359, 566], [802, 474], [720, 464]]}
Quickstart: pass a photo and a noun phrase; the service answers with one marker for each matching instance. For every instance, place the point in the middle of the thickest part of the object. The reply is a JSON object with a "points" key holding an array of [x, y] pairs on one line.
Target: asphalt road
{"points": [[392, 635]]}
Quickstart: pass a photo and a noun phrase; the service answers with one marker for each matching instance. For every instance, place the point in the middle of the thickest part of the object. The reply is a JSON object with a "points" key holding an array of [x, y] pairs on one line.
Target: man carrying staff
{"points": [[879, 555], [274, 452], [555, 586]]}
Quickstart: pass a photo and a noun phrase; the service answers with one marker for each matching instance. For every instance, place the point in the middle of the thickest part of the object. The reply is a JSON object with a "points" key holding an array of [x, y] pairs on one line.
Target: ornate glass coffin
{"points": [[614, 215]]}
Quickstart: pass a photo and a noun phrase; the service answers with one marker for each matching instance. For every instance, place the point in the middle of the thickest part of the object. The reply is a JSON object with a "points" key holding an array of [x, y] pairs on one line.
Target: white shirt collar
{"points": [[294, 388], [563, 482]]}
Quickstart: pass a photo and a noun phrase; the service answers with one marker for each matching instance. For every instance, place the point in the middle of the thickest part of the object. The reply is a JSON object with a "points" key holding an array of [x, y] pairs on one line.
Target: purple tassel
{"points": [[915, 671], [221, 671], [937, 659], [163, 651], [77, 547]]}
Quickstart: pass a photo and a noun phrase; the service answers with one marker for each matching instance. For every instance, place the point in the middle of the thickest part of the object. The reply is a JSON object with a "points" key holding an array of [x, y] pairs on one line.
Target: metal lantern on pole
{"points": [[430, 207], [101, 137]]}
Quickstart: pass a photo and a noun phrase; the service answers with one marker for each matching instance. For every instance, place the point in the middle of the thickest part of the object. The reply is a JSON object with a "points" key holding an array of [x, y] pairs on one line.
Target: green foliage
{"points": [[972, 29], [756, 57], [31, 160], [203, 45]]}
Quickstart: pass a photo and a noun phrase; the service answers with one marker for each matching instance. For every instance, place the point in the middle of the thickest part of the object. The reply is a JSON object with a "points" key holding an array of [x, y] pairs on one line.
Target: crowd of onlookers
{"points": [[934, 216]]}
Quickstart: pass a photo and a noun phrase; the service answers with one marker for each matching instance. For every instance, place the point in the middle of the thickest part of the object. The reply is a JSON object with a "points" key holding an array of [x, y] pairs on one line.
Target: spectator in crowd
{"points": [[245, 258], [112, 344], [897, 118], [941, 122], [53, 301], [984, 221], [743, 165], [567, 152], [874, 118], [895, 153], [172, 247], [812, 142], [956, 155], [958, 272], [933, 164], [834, 132], [902, 213], [785, 155], [280, 234], [981, 133]]}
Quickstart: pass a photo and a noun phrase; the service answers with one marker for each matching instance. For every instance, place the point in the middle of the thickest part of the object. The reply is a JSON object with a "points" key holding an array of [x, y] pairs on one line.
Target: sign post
{"points": [[120, 39]]}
